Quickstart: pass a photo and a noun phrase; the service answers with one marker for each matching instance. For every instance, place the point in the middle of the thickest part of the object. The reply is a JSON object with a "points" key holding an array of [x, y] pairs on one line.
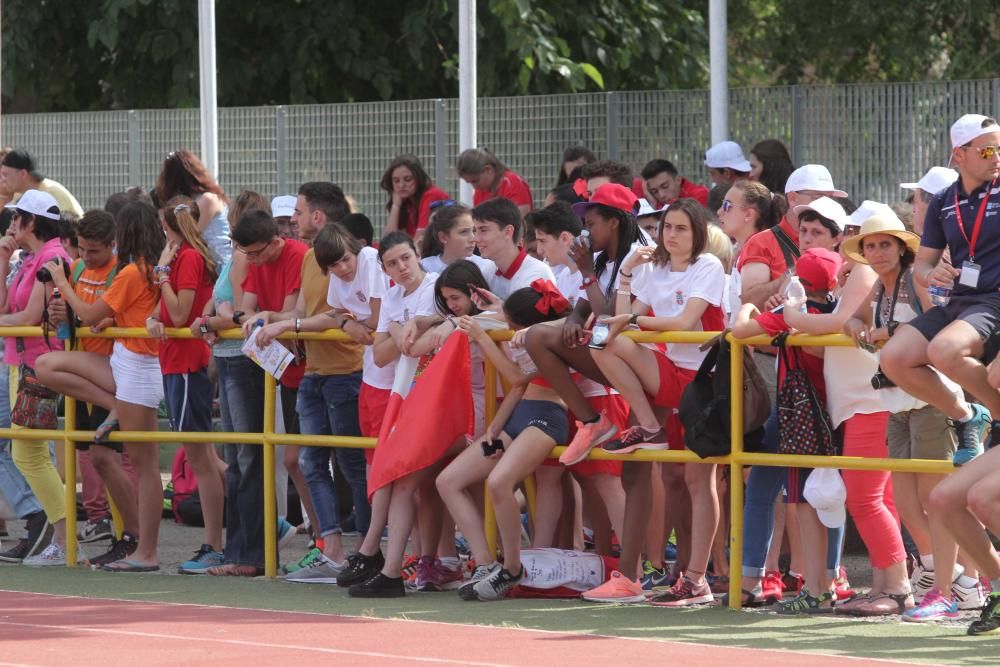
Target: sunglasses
{"points": [[985, 152], [442, 203]]}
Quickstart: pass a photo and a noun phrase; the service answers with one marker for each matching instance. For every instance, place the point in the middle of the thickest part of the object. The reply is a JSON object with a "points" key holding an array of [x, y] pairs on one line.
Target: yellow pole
{"points": [[736, 477], [531, 495], [116, 517], [270, 506], [69, 424], [489, 515]]}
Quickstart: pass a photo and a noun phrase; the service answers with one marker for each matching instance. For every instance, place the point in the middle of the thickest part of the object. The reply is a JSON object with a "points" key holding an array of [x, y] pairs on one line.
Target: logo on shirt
{"points": [[679, 296], [361, 296], [406, 314]]}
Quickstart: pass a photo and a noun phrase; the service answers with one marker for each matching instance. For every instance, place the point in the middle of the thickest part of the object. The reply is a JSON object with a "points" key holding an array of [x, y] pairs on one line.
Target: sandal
{"points": [[108, 426], [875, 605], [129, 565]]}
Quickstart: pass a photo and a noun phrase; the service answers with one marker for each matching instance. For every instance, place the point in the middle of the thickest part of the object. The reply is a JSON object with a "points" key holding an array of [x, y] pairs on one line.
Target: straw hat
{"points": [[879, 224]]}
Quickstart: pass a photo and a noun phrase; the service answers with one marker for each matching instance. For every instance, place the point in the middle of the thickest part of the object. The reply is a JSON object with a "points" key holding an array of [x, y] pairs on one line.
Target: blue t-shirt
{"points": [[941, 230]]}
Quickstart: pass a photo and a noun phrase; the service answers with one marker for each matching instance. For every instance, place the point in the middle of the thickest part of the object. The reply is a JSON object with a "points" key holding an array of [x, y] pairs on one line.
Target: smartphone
{"points": [[599, 336], [491, 448]]}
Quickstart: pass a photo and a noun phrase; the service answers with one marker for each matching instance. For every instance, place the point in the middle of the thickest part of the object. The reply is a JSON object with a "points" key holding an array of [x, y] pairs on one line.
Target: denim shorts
{"points": [[548, 417]]}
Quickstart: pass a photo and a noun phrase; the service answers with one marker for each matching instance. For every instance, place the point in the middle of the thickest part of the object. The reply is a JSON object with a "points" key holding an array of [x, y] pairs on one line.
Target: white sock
{"points": [[966, 581], [968, 414], [927, 561], [449, 562]]}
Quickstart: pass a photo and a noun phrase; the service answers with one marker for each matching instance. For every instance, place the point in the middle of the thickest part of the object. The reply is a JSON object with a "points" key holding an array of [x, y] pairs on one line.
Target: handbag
{"points": [[36, 406]]}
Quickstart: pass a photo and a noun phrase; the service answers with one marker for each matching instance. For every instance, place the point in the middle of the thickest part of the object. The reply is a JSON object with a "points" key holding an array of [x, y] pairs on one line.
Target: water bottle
{"points": [[62, 331], [796, 294]]}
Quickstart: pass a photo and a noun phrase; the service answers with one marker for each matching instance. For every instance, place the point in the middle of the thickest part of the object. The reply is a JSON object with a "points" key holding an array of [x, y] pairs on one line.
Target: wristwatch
{"points": [[236, 317], [634, 319]]}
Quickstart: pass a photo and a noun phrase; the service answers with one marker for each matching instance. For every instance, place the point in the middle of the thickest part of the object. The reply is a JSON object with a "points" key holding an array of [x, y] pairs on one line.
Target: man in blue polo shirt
{"points": [[965, 219]]}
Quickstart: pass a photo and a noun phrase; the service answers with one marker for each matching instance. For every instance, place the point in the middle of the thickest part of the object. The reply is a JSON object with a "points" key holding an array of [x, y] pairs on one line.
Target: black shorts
{"points": [[89, 418], [980, 311], [548, 417]]}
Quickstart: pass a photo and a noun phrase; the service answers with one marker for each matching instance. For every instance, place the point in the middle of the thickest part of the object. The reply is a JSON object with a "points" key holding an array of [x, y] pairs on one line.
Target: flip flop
{"points": [[128, 565], [104, 430]]}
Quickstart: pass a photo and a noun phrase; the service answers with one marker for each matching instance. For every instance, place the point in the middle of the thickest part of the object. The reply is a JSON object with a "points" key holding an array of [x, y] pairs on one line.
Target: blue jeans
{"points": [[328, 405], [763, 487], [12, 483], [241, 397]]}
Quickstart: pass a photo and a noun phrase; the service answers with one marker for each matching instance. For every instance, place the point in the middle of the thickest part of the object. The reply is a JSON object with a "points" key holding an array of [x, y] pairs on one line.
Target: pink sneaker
{"points": [[618, 589], [587, 437], [684, 594], [442, 578]]}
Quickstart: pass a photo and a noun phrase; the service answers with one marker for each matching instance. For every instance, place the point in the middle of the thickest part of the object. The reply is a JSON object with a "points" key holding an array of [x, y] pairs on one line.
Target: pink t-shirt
{"points": [[19, 293]]}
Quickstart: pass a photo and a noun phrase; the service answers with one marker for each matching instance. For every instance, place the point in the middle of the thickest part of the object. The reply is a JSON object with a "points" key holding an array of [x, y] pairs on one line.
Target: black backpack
{"points": [[804, 426]]}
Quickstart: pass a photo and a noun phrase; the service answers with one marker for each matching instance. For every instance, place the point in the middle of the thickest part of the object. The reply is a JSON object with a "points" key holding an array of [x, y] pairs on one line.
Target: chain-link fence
{"points": [[871, 137]]}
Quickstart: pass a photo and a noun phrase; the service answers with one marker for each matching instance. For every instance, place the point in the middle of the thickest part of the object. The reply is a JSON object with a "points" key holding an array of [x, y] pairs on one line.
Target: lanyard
{"points": [[892, 301], [978, 224]]}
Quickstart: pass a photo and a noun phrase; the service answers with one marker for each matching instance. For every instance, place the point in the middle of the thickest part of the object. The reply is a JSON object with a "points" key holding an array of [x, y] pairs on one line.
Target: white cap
{"points": [[827, 208], [645, 208], [282, 206], [37, 203], [812, 177], [826, 492], [867, 209], [934, 181], [727, 155], [971, 126]]}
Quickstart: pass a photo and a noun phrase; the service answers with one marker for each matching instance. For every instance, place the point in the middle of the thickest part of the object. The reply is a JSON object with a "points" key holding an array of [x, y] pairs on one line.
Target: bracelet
{"points": [[623, 274], [587, 282], [161, 269], [298, 325]]}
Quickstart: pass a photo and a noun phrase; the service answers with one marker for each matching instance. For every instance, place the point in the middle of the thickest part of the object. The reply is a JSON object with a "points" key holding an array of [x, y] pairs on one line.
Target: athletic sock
{"points": [[450, 562], [968, 414], [927, 561], [966, 581]]}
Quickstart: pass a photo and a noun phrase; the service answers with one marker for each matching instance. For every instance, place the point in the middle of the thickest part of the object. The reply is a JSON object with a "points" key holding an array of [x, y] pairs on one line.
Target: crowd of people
{"points": [[767, 249]]}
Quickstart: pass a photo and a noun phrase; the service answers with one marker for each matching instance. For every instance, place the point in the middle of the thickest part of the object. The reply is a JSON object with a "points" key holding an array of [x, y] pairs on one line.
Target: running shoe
{"points": [[310, 556], [321, 570], [770, 587], [804, 603], [635, 438], [361, 568], [684, 593], [96, 531], [52, 556], [654, 580], [40, 533], [120, 550], [204, 558], [617, 589], [933, 607], [968, 597], [842, 587], [588, 436], [989, 620], [971, 434], [466, 591], [378, 586], [921, 581], [409, 572], [440, 577], [421, 574], [16, 553], [497, 585]]}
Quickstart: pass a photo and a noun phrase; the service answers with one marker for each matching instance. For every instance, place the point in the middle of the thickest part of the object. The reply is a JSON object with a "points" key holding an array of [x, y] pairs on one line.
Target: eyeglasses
{"points": [[255, 253], [442, 203], [984, 152]]}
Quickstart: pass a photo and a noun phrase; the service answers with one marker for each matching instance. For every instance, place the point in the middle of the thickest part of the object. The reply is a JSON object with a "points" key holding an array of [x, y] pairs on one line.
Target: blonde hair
{"points": [[179, 214], [720, 246]]}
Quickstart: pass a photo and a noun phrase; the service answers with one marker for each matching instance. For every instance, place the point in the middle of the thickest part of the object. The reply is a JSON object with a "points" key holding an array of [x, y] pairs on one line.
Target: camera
{"points": [[599, 336], [43, 275], [880, 381]]}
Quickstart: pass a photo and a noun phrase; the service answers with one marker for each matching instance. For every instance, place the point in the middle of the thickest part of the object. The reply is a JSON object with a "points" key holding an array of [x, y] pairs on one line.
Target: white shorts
{"points": [[138, 378]]}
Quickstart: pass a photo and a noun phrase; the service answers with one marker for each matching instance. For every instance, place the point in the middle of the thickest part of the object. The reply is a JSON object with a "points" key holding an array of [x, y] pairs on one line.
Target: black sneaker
{"points": [[15, 554], [361, 568], [635, 438], [39, 533], [379, 586], [497, 585], [120, 550], [989, 619]]}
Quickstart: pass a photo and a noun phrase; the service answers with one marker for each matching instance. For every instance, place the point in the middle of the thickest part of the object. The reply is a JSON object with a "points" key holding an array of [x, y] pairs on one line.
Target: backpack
{"points": [[706, 402], [804, 427]]}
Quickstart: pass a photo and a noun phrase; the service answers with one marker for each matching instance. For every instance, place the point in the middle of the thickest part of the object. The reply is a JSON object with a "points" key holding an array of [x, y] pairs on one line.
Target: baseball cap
{"points": [[825, 491], [727, 155], [827, 208], [812, 177], [37, 203], [934, 181], [971, 126], [612, 195], [817, 268], [282, 206], [645, 208], [867, 209]]}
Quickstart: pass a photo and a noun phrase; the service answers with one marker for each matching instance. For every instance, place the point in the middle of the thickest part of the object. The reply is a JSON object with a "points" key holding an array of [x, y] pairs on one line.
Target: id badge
{"points": [[970, 274]]}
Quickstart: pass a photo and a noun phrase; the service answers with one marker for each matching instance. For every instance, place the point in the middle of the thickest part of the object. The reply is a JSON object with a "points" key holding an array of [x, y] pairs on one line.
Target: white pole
{"points": [[719, 62], [207, 81], [466, 84]]}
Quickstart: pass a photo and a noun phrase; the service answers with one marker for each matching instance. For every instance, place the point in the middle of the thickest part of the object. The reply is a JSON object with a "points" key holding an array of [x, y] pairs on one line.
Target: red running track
{"points": [[41, 630]]}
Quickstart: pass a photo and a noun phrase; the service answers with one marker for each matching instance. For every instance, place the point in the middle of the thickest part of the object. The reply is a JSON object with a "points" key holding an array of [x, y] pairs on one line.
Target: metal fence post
{"points": [[798, 122], [736, 487], [440, 141], [996, 96], [281, 146], [614, 149], [133, 148]]}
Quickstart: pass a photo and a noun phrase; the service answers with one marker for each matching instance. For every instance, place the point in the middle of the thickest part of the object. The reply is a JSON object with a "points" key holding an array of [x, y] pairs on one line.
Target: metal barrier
{"points": [[736, 460]]}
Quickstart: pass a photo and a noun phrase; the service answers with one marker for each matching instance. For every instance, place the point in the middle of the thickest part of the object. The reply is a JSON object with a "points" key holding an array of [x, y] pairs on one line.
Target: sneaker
{"points": [[497, 585], [52, 556], [792, 583], [15, 554], [310, 556], [804, 603], [466, 591], [617, 589], [968, 597], [96, 531], [921, 581], [842, 587], [684, 594], [378, 586], [989, 619], [440, 577], [204, 558], [286, 532], [40, 533], [120, 550], [587, 437], [320, 570], [360, 568], [411, 569], [770, 587], [654, 580], [971, 434], [635, 438], [933, 607]]}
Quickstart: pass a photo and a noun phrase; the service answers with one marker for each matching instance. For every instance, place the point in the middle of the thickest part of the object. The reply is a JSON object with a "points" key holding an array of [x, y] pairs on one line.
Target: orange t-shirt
{"points": [[90, 287], [132, 299]]}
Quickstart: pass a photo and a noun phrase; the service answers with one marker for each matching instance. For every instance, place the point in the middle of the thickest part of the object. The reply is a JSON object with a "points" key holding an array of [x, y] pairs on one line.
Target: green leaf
{"points": [[593, 74]]}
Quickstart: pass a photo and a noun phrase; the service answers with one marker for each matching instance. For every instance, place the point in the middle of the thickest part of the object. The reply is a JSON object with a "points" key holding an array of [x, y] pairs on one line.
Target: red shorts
{"points": [[673, 380], [372, 403], [675, 432], [617, 410]]}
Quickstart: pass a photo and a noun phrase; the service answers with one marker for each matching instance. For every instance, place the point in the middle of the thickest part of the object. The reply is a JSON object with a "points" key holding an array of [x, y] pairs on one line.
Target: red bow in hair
{"points": [[552, 298], [580, 188]]}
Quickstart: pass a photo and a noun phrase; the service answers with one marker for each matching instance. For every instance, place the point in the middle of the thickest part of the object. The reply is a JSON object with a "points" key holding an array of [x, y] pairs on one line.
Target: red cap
{"points": [[612, 195], [817, 268]]}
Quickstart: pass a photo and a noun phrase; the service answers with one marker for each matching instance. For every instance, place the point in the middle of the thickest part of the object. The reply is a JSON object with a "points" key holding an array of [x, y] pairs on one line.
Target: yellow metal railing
{"points": [[736, 460]]}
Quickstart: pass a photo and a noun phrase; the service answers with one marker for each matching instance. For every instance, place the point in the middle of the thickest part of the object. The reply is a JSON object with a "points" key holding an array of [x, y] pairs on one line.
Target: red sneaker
{"points": [[792, 583], [842, 587], [587, 437], [771, 587]]}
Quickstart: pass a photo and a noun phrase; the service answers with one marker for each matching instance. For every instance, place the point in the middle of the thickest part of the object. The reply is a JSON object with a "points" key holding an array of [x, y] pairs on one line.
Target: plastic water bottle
{"points": [[796, 294], [62, 331]]}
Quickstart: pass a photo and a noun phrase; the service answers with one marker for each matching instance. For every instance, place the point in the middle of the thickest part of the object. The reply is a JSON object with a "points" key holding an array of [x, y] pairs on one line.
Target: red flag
{"points": [[437, 411]]}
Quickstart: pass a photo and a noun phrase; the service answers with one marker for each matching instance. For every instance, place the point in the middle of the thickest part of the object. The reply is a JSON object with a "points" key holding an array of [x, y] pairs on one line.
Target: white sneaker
{"points": [[321, 570], [921, 581], [968, 597], [52, 555]]}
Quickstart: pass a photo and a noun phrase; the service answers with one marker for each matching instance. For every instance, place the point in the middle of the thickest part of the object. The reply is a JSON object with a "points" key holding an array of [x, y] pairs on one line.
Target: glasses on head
{"points": [[442, 203], [255, 253], [985, 152]]}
